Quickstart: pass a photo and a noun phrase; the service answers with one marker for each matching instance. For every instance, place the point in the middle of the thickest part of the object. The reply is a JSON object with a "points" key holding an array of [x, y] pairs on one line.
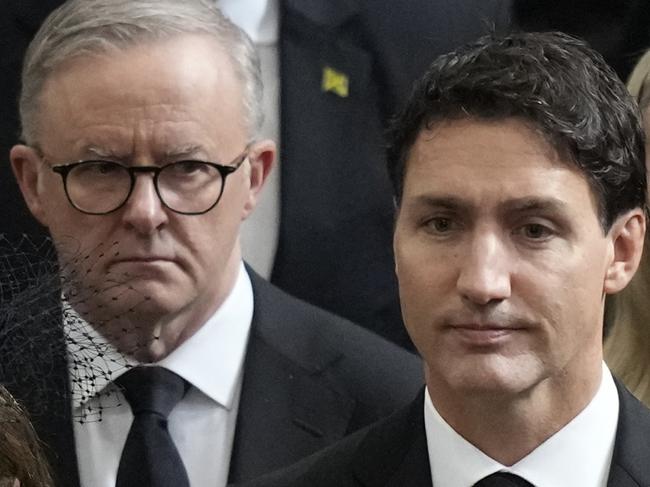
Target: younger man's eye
{"points": [[536, 231], [440, 224]]}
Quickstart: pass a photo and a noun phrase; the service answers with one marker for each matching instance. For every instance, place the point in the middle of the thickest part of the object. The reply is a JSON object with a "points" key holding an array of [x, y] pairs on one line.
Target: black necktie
{"points": [[503, 479], [149, 457]]}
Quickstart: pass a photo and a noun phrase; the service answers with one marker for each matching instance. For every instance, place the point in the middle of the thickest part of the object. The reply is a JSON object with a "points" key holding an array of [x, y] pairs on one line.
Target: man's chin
{"points": [[505, 377]]}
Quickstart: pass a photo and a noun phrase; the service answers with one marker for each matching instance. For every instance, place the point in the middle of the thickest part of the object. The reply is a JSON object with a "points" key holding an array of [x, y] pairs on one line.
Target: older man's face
{"points": [[503, 265], [151, 104]]}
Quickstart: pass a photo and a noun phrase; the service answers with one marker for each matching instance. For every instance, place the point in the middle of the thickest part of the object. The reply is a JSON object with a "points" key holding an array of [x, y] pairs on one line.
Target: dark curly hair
{"points": [[558, 86]]}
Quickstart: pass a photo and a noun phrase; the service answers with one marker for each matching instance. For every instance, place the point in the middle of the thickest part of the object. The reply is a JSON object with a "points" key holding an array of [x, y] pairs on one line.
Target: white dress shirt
{"points": [[578, 454], [259, 233], [202, 425]]}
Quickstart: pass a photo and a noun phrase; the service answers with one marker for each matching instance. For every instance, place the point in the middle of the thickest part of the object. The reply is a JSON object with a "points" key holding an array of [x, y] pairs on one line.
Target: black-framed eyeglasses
{"points": [[191, 187]]}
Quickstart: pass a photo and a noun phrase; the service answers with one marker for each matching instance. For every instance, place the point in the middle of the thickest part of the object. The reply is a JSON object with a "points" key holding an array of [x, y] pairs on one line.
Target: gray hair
{"points": [[89, 27]]}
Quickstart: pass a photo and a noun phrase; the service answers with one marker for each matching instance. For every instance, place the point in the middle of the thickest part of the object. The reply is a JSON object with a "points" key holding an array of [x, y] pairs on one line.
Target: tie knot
{"points": [[503, 479], [152, 389]]}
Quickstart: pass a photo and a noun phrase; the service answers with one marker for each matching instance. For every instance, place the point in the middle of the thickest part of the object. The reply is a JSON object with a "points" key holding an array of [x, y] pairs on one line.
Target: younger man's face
{"points": [[502, 261]]}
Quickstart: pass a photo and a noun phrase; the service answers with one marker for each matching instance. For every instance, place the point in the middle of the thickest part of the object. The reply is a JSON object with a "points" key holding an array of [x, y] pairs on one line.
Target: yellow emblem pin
{"points": [[335, 82]]}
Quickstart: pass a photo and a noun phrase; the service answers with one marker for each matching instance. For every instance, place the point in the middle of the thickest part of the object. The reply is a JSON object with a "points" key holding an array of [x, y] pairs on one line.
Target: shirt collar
{"points": [[258, 18], [211, 360], [579, 454]]}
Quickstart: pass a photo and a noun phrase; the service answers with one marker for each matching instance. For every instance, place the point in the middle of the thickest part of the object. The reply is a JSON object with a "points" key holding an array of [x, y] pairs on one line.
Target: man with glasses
{"points": [[140, 156]]}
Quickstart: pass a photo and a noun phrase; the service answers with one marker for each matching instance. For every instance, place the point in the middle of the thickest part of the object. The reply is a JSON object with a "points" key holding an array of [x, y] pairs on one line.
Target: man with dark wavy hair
{"points": [[519, 175]]}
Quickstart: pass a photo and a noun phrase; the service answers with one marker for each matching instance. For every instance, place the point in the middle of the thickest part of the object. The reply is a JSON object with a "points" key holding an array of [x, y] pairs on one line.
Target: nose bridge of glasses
{"points": [[147, 188], [135, 170]]}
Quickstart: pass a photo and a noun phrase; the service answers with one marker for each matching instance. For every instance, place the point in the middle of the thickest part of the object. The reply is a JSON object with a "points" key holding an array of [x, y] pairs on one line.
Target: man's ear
{"points": [[627, 234], [26, 163], [261, 157]]}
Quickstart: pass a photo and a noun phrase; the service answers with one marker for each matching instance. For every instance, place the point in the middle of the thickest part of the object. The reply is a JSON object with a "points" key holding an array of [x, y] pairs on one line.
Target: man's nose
{"points": [[485, 272], [144, 212]]}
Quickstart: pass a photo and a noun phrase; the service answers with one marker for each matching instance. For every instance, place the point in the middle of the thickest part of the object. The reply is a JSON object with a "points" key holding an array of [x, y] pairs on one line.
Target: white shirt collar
{"points": [[578, 454], [211, 359], [258, 18]]}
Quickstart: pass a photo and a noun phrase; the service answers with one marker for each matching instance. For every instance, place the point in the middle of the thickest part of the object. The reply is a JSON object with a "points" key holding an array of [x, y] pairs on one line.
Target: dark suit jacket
{"points": [[393, 453], [310, 378], [335, 242]]}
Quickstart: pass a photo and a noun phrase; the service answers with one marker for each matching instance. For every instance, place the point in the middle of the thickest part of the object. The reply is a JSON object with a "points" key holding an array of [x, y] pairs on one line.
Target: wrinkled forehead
{"points": [[180, 85], [184, 68]]}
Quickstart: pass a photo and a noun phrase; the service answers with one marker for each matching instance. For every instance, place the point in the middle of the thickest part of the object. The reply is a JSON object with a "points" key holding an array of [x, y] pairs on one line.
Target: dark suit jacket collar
{"points": [[286, 397], [405, 461], [630, 462], [265, 326], [402, 461], [280, 369]]}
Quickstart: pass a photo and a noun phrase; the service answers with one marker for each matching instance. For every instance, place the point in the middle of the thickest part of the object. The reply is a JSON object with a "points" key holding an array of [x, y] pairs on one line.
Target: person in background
{"points": [[519, 174], [627, 314], [142, 155], [22, 461]]}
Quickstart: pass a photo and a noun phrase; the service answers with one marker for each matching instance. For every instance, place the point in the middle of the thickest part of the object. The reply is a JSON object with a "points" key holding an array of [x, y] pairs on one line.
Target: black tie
{"points": [[149, 457], [503, 479]]}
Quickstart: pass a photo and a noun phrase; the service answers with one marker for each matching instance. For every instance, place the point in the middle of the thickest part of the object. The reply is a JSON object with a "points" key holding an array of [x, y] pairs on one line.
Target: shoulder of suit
{"points": [[316, 339]]}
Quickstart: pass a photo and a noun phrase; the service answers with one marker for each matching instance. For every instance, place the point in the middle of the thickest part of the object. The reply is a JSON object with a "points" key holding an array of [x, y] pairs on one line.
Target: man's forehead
{"points": [[164, 94], [89, 50], [514, 133], [484, 147], [158, 67], [505, 164]]}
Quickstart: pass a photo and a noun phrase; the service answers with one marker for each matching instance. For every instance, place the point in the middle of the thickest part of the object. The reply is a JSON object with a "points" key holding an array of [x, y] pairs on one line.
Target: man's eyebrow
{"points": [[104, 152], [528, 204], [447, 202], [535, 204], [182, 151], [178, 152]]}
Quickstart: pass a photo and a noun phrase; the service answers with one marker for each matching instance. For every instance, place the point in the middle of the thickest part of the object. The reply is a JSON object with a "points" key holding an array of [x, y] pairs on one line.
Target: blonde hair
{"points": [[627, 347]]}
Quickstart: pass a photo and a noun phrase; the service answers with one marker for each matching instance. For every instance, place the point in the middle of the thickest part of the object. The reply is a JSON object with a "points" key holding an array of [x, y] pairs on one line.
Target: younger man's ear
{"points": [[261, 158], [627, 233], [26, 163]]}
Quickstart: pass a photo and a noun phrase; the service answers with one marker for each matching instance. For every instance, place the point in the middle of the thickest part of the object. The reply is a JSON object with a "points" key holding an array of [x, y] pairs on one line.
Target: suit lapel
{"points": [[630, 466], [394, 453], [286, 404]]}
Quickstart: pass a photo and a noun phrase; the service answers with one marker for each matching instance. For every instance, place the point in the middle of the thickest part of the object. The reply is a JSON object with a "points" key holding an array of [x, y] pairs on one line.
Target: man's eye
{"points": [[106, 167], [440, 224], [536, 231], [96, 169], [189, 167]]}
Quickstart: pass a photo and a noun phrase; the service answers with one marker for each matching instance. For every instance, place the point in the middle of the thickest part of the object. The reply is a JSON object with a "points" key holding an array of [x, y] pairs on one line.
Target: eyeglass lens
{"points": [[103, 186]]}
